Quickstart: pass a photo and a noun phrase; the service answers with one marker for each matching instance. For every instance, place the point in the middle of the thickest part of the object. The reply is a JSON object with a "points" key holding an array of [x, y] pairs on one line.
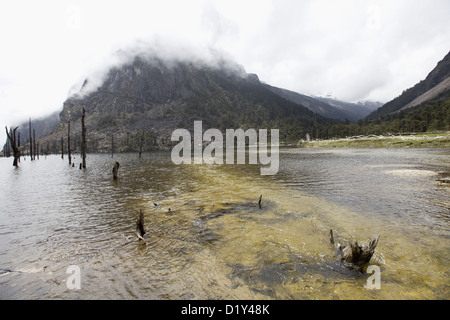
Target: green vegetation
{"points": [[106, 121], [223, 99], [225, 103], [131, 142], [431, 116]]}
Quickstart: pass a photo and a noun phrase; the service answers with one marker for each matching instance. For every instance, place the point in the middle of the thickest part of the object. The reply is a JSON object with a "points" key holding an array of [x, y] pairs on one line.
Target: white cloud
{"points": [[353, 49]]}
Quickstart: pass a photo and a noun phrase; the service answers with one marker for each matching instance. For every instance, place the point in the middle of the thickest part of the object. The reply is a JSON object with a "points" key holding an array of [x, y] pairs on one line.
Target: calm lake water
{"points": [[215, 242]]}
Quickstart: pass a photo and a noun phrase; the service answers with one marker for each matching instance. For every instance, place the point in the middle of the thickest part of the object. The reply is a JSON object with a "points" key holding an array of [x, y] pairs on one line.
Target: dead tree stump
{"points": [[354, 253], [115, 170], [31, 141], [69, 154], [12, 140], [141, 143], [83, 139], [140, 226]]}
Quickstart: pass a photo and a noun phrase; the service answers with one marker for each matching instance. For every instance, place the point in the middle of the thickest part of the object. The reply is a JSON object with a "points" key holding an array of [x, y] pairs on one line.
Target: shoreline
{"points": [[411, 141]]}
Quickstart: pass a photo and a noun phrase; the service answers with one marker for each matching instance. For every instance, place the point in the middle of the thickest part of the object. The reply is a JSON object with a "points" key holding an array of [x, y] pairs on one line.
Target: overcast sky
{"points": [[353, 50]]}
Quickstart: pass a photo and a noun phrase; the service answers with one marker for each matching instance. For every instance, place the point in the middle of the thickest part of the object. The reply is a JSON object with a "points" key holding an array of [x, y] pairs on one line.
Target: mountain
{"points": [[370, 105], [315, 105], [157, 95], [150, 95], [436, 84], [42, 126], [352, 111], [329, 108]]}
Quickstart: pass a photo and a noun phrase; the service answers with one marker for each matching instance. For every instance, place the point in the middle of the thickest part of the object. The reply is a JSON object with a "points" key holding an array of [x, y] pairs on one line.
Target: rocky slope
{"points": [[158, 95], [436, 83]]}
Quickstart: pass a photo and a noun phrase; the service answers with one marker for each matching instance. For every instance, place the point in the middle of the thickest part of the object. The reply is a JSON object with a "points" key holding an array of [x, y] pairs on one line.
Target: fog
{"points": [[163, 50]]}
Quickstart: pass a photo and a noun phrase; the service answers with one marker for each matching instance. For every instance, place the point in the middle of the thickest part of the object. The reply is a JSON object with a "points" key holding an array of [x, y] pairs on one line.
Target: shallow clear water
{"points": [[215, 242]]}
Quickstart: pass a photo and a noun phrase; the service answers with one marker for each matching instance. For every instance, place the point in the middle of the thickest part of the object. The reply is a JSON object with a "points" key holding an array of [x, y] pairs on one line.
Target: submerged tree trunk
{"points": [[141, 143], [12, 140], [354, 253], [62, 148], [69, 154], [115, 170], [112, 145], [18, 144], [83, 139], [31, 141], [34, 144], [140, 226]]}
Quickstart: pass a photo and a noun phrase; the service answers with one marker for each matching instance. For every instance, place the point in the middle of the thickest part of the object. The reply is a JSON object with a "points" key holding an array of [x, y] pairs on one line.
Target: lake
{"points": [[207, 238]]}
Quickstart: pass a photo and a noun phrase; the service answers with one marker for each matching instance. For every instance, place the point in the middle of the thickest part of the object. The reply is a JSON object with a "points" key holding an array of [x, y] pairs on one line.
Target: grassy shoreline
{"points": [[416, 141]]}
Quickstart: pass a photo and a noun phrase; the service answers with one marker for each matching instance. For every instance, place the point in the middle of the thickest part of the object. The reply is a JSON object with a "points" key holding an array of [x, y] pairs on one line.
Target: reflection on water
{"points": [[207, 237]]}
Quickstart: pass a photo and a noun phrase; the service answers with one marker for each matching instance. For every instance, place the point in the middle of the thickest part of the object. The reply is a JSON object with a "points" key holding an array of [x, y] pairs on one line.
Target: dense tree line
{"points": [[257, 110], [432, 116], [242, 104]]}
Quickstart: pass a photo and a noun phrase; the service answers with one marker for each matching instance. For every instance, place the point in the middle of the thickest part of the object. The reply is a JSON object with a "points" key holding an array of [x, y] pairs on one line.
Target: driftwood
{"points": [[354, 253], [140, 226], [115, 170]]}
